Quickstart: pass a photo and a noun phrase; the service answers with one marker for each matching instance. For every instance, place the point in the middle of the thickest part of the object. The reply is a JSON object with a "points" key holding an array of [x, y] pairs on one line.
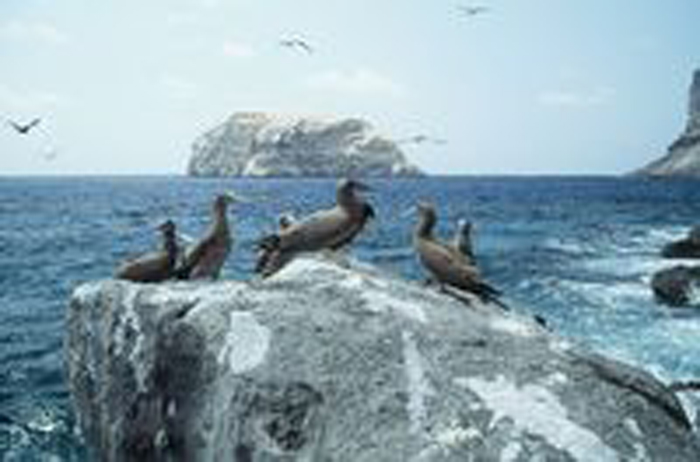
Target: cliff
{"points": [[326, 362], [261, 145], [683, 157]]}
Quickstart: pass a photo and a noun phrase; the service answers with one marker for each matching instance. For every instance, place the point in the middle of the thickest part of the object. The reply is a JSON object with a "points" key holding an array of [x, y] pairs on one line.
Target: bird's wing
{"points": [[448, 265], [317, 231], [15, 125], [308, 48], [34, 123]]}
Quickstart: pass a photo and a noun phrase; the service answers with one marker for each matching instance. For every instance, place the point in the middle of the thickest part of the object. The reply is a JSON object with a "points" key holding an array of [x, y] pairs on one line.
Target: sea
{"points": [[577, 251]]}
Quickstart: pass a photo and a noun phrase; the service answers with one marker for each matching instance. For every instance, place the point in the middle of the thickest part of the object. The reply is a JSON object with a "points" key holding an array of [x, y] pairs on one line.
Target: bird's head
{"points": [[427, 217], [167, 228]]}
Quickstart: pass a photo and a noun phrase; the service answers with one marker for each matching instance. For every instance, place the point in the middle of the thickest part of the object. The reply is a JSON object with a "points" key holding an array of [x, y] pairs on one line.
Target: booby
{"points": [[330, 229], [24, 129], [447, 265], [462, 240], [155, 266], [206, 257], [298, 43]]}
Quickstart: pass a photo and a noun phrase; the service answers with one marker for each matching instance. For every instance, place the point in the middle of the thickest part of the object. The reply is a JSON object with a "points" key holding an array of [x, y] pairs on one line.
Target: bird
{"points": [[420, 139], [447, 265], [24, 129], [155, 266], [285, 220], [462, 240], [330, 229], [472, 10], [205, 258], [297, 43]]}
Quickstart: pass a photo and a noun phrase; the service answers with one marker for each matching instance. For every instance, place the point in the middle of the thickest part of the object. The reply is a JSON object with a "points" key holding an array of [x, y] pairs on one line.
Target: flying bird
{"points": [[472, 10], [420, 139], [24, 129], [297, 43]]}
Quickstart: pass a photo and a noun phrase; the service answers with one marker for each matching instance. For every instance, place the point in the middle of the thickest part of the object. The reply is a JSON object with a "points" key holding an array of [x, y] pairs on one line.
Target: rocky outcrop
{"points": [[334, 362], [263, 145], [683, 157], [688, 247], [676, 286]]}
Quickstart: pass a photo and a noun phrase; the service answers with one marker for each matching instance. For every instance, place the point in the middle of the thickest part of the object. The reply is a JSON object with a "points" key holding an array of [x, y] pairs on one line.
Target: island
{"points": [[257, 144], [683, 157]]}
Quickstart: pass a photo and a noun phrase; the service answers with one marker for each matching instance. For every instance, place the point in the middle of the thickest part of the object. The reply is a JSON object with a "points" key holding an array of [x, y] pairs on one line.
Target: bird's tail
{"points": [[489, 294], [268, 254]]}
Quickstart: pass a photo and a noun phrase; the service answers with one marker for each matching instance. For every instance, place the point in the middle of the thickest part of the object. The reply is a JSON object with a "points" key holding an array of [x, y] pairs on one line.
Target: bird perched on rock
{"points": [[462, 240], [155, 266], [445, 262], [23, 129], [205, 258], [327, 229]]}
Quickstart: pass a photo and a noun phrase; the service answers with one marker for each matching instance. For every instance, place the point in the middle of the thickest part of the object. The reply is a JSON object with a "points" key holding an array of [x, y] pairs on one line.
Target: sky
{"points": [[527, 87]]}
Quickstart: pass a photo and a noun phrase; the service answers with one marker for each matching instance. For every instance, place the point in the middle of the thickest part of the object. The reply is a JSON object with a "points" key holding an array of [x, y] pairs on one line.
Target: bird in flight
{"points": [[420, 139], [24, 129], [472, 10], [297, 43]]}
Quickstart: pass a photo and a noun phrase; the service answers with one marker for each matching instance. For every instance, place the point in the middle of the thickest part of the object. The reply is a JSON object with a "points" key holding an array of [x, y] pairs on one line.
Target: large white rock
{"points": [[683, 157], [324, 362], [261, 144]]}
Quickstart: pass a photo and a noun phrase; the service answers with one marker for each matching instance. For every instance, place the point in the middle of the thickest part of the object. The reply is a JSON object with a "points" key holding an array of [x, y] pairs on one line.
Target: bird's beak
{"points": [[233, 198], [362, 187]]}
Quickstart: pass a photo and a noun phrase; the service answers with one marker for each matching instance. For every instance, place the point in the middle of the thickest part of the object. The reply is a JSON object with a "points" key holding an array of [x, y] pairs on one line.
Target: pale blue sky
{"points": [[536, 86]]}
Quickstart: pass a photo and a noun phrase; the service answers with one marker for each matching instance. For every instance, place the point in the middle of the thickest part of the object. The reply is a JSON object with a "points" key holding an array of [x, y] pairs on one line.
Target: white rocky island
{"points": [[270, 145], [325, 362], [683, 157]]}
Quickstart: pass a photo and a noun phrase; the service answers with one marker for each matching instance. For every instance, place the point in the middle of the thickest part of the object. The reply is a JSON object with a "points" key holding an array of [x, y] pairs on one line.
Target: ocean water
{"points": [[578, 251]]}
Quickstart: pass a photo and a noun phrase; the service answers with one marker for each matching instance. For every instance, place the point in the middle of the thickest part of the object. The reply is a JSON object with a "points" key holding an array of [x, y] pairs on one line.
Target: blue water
{"points": [[578, 251]]}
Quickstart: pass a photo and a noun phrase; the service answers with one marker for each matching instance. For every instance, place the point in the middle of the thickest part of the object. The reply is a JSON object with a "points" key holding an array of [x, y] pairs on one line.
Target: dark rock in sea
{"points": [[683, 157], [676, 286], [330, 362], [270, 145], [688, 247]]}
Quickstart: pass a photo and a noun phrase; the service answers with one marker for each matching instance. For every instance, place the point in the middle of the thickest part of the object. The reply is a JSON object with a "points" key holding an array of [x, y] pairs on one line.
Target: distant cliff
{"points": [[262, 145], [683, 157]]}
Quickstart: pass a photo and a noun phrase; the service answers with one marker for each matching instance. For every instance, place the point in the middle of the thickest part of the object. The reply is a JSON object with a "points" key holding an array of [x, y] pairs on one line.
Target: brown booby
{"points": [[330, 229], [298, 43], [462, 240], [154, 266], [24, 129], [205, 258], [447, 265]]}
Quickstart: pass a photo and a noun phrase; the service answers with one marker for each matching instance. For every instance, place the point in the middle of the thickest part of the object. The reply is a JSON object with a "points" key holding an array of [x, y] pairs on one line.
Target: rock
{"points": [[262, 145], [330, 362], [676, 286], [683, 157], [688, 247]]}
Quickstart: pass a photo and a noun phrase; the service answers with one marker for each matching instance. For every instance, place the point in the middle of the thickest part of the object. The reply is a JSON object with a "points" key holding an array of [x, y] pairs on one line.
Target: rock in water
{"points": [[688, 247], [328, 363], [683, 157], [261, 145], [676, 286]]}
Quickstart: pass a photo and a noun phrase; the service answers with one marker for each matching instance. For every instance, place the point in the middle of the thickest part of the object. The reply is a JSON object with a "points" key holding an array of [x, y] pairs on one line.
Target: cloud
{"points": [[234, 49], [177, 87], [356, 81], [32, 31], [14, 100], [595, 97]]}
